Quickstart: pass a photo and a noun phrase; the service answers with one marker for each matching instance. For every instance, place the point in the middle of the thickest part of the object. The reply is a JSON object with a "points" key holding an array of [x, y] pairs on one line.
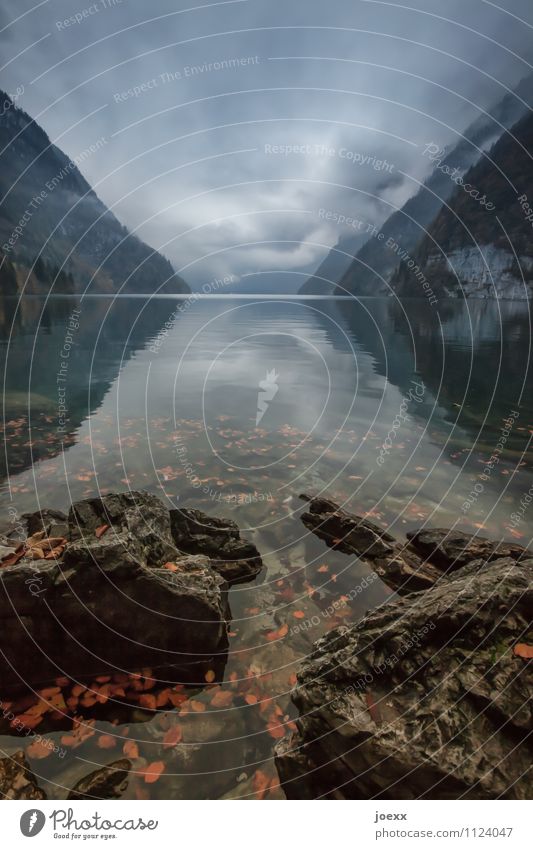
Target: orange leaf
{"points": [[299, 614], [27, 720], [131, 749], [99, 532], [147, 700], [250, 699], [373, 708], [283, 631], [106, 741], [222, 699], [199, 707], [40, 749], [260, 783], [162, 698], [172, 737], [49, 691], [177, 699], [210, 676], [275, 730], [153, 771], [523, 650]]}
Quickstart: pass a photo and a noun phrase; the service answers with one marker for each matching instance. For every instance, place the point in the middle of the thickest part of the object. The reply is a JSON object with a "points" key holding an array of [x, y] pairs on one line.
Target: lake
{"points": [[404, 412]]}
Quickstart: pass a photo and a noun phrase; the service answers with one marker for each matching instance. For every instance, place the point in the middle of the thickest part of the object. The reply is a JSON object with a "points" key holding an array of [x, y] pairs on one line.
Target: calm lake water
{"points": [[391, 408]]}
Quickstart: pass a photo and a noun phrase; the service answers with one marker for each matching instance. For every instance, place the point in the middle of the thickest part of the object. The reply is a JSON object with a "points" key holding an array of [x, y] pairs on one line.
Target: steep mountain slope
{"points": [[405, 227], [333, 266], [43, 196], [483, 250]]}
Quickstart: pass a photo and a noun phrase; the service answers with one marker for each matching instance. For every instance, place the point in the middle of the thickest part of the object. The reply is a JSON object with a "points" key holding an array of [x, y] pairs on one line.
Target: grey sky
{"points": [[187, 160]]}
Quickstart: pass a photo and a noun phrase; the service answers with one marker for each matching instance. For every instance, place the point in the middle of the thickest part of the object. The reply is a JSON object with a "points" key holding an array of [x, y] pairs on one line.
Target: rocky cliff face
{"points": [[49, 210], [481, 244], [375, 265]]}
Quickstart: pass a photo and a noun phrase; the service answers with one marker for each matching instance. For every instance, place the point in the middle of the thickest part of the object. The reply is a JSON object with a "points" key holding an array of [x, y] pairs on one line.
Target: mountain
{"points": [[406, 226], [483, 249], [333, 266], [45, 199]]}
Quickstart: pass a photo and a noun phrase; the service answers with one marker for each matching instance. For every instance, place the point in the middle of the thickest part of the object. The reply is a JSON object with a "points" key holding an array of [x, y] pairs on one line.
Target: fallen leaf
{"points": [[99, 532], [373, 709], [222, 699], [131, 749], [153, 771], [210, 676], [106, 741], [523, 650], [260, 783], [40, 749], [148, 700], [172, 737]]}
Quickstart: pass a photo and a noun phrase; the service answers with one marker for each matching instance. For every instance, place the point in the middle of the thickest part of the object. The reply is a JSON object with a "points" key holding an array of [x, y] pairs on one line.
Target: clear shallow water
{"points": [[162, 395]]}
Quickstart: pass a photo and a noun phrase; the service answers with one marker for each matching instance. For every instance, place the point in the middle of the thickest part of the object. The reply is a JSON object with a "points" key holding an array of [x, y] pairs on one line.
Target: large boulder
{"points": [[220, 539], [119, 596], [424, 698]]}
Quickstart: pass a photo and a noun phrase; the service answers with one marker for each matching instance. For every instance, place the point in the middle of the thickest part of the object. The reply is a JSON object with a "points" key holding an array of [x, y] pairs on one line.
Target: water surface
{"points": [[394, 409]]}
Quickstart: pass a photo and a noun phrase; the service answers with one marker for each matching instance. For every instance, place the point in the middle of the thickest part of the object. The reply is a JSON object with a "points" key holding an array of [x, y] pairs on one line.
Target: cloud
{"points": [[190, 101]]}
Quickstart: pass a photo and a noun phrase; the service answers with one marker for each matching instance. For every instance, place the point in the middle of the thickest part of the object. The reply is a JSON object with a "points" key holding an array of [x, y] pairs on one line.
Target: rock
{"points": [[52, 521], [453, 549], [197, 533], [109, 602], [109, 782], [16, 779], [423, 698], [400, 567], [405, 567]]}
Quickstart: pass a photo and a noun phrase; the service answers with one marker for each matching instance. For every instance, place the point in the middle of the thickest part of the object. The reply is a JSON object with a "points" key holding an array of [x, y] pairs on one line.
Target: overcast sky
{"points": [[190, 162]]}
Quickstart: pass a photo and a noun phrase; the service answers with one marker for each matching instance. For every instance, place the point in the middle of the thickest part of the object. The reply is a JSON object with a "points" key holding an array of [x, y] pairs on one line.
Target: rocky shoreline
{"points": [[426, 696], [429, 695]]}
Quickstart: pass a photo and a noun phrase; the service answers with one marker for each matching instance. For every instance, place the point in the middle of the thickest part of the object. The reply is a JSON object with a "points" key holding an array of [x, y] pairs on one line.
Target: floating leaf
{"points": [[172, 737], [148, 700], [222, 699], [131, 749], [40, 749], [153, 772], [106, 741]]}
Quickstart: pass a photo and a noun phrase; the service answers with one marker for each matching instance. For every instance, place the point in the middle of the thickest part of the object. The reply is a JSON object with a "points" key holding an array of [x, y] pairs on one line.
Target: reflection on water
{"points": [[166, 400]]}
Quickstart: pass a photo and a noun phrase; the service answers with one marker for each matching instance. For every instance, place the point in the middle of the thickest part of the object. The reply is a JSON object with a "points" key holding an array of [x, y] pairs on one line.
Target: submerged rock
{"points": [[424, 698], [399, 566], [405, 567], [120, 596], [108, 782], [17, 780], [220, 539]]}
